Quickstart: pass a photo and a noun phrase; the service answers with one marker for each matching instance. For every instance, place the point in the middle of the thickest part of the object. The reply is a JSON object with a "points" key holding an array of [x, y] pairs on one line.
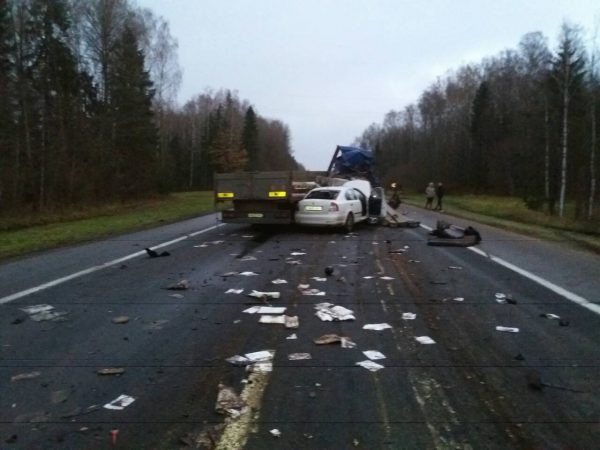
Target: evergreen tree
{"points": [[135, 135], [250, 138], [6, 106]]}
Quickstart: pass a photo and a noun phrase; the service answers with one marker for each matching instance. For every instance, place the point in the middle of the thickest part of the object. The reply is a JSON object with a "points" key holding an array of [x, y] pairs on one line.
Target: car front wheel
{"points": [[349, 225]]}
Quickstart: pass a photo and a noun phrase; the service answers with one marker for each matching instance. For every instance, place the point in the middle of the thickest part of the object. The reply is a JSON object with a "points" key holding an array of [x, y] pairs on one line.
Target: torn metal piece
{"points": [[409, 316], [507, 329], [373, 355], [120, 403], [299, 356], [370, 365], [377, 326]]}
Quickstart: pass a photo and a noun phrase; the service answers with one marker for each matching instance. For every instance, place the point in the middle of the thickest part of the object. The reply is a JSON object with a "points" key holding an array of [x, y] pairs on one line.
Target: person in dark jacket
{"points": [[439, 193]]}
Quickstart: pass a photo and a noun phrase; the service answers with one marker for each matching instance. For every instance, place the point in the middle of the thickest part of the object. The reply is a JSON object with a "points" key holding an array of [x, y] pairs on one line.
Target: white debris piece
{"points": [[368, 277], [318, 278], [455, 268], [293, 262], [265, 310], [233, 291], [416, 261], [179, 295], [500, 297], [507, 329], [275, 432], [377, 326], [292, 322], [247, 274], [238, 360], [43, 312], [409, 316], [328, 312], [37, 309], [247, 236], [299, 356], [292, 337], [259, 294], [303, 286], [346, 342], [279, 281], [373, 354], [551, 316], [272, 319], [260, 367], [297, 253], [386, 278], [120, 403], [426, 340], [248, 258], [260, 356], [313, 292], [370, 365], [459, 299]]}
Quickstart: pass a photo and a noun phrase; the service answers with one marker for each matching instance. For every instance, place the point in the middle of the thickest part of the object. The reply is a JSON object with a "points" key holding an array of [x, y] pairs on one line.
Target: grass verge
{"points": [[510, 213], [27, 233]]}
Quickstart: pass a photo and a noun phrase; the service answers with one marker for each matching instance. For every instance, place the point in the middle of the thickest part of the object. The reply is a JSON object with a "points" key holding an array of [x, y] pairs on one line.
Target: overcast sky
{"points": [[329, 68]]}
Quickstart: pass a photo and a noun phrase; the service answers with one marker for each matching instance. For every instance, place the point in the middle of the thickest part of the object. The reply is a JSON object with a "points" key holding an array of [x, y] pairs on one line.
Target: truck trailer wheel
{"points": [[349, 225]]}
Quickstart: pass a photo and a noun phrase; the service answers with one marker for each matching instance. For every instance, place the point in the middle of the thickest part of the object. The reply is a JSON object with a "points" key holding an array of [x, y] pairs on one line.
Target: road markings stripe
{"points": [[41, 287], [537, 279]]}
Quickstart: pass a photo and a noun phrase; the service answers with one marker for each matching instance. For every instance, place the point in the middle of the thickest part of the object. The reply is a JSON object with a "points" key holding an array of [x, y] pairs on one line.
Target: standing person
{"points": [[439, 193], [429, 195]]}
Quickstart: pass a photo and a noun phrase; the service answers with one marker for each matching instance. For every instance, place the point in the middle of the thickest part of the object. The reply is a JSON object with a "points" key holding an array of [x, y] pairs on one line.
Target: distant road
{"points": [[468, 390]]}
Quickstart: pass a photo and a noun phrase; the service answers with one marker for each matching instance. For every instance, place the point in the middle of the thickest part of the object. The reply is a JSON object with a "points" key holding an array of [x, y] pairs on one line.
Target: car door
{"points": [[352, 202]]}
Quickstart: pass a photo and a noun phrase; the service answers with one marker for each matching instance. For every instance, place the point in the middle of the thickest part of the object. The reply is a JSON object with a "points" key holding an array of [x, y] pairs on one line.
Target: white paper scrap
{"points": [[234, 291], [260, 367], [386, 278], [248, 258], [409, 316], [370, 365], [426, 340], [551, 316], [368, 277], [279, 281], [261, 356], [297, 253], [376, 326], [292, 337], [374, 354], [347, 343], [265, 310], [120, 403], [507, 329], [272, 319], [318, 278], [247, 274], [459, 299], [37, 309], [237, 360], [299, 356], [259, 294], [313, 292]]}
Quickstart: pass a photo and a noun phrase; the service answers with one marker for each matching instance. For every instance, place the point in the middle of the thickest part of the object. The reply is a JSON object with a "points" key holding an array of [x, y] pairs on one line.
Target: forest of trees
{"points": [[88, 111], [522, 123]]}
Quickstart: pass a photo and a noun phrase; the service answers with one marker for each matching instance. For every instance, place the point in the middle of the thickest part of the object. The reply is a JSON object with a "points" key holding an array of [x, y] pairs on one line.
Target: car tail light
{"points": [[334, 207]]}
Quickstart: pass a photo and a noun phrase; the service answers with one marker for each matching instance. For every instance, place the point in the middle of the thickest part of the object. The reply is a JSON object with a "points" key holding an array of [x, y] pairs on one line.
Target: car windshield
{"points": [[329, 194]]}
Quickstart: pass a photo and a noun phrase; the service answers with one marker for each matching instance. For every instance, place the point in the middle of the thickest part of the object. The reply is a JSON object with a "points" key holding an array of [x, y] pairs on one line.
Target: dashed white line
{"points": [[41, 287], [537, 279]]}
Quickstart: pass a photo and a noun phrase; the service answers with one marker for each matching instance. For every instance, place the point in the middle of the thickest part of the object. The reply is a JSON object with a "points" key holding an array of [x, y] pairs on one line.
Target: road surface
{"points": [[473, 388]]}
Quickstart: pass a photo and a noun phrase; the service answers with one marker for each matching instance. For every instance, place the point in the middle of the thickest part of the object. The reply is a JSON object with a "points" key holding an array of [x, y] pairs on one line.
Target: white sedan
{"points": [[334, 206]]}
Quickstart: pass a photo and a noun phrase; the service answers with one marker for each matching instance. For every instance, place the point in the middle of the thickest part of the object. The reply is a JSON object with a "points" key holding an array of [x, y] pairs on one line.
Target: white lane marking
{"points": [[539, 280], [41, 287]]}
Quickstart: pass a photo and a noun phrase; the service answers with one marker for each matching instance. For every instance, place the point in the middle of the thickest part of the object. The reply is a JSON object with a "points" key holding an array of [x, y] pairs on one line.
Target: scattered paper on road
{"points": [[238, 360], [292, 322], [313, 292], [259, 294], [458, 299], [25, 376], [386, 278], [346, 342], [319, 278], [507, 329], [328, 312], [248, 258], [292, 336], [260, 356], [279, 281], [44, 312], [426, 340], [247, 274], [370, 365], [265, 310], [111, 371], [181, 285], [550, 316], [234, 291], [377, 326], [272, 319], [297, 253], [373, 354], [409, 316], [299, 356], [120, 403]]}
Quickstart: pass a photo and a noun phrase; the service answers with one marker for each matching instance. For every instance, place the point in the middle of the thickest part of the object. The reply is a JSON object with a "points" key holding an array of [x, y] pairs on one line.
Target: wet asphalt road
{"points": [[469, 390]]}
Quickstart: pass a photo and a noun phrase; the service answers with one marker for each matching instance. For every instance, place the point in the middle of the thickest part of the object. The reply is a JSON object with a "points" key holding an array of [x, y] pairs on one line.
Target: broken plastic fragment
{"points": [[279, 281], [234, 291], [120, 403], [370, 365], [409, 316], [426, 340], [377, 326], [373, 354], [507, 329], [299, 356]]}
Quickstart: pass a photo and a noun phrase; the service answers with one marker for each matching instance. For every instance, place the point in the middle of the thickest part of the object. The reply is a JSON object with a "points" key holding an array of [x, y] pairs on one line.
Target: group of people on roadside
{"points": [[432, 191]]}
